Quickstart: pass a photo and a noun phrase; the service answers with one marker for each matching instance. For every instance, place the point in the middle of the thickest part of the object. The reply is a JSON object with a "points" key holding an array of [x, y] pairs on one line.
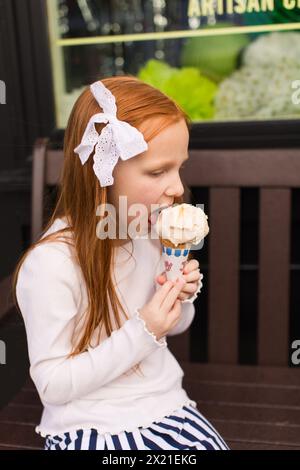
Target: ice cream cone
{"points": [[169, 244], [179, 227], [174, 258]]}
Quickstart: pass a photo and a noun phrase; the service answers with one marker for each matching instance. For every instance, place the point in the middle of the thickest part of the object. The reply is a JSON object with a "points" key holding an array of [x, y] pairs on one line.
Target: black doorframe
{"points": [[25, 67]]}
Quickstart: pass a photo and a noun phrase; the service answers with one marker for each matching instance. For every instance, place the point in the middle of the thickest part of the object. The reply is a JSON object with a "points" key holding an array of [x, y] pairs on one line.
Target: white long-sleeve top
{"points": [[97, 388]]}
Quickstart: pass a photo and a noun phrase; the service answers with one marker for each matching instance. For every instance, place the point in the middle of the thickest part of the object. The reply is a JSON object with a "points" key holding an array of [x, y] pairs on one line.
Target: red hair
{"points": [[80, 194]]}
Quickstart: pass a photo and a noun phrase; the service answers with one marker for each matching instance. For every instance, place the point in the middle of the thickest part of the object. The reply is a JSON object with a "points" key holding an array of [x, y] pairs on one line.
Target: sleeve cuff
{"points": [[161, 342], [195, 295]]}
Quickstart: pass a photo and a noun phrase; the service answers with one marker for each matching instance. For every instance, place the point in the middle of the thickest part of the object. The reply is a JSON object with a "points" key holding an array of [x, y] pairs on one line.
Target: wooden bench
{"points": [[254, 405]]}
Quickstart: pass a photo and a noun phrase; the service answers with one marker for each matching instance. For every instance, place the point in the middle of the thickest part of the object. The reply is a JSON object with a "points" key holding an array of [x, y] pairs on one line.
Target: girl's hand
{"points": [[163, 311], [191, 274]]}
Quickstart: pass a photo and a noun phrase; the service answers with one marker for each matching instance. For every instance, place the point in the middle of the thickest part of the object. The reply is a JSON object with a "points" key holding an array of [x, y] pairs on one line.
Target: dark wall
{"points": [[28, 113], [25, 68]]}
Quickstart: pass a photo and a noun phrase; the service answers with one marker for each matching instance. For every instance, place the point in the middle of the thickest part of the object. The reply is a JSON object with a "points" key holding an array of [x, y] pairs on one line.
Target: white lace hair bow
{"points": [[117, 138]]}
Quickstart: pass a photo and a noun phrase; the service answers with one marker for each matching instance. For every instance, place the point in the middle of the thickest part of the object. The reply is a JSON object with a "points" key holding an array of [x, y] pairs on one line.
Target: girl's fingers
{"points": [[161, 279], [190, 266], [190, 288], [172, 295], [161, 293], [182, 296], [193, 276], [175, 311]]}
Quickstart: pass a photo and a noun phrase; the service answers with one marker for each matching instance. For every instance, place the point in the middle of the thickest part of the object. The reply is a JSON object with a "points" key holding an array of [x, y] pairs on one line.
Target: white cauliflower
{"points": [[262, 87], [274, 49]]}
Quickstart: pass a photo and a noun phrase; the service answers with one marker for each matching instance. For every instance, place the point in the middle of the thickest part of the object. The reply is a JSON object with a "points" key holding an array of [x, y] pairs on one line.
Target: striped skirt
{"points": [[184, 429]]}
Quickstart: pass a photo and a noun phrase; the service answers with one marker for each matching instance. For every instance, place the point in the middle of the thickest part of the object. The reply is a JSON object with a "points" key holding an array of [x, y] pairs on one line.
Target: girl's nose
{"points": [[175, 189]]}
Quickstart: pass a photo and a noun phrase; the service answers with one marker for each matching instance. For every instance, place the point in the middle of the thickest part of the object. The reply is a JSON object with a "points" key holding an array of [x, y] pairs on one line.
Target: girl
{"points": [[97, 313]]}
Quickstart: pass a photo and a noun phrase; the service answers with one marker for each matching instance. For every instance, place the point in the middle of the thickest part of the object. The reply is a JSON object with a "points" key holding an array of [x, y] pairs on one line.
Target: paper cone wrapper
{"points": [[174, 258]]}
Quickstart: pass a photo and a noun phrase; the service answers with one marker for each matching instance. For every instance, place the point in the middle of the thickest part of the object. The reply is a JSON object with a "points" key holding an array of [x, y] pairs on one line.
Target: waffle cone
{"points": [[169, 244]]}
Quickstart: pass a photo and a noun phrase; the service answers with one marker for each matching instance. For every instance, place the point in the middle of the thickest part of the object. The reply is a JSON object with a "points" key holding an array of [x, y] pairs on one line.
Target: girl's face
{"points": [[153, 176]]}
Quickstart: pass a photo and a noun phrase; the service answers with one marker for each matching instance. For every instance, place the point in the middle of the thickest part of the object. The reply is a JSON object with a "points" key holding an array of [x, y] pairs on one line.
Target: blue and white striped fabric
{"points": [[185, 429]]}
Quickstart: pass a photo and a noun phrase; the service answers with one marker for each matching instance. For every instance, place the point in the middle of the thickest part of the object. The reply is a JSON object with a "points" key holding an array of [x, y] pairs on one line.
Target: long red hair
{"points": [[80, 194]]}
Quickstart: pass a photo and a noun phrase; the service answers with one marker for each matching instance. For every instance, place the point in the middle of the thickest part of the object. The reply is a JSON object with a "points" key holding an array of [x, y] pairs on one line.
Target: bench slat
{"points": [[242, 167], [274, 260], [279, 434], [224, 207]]}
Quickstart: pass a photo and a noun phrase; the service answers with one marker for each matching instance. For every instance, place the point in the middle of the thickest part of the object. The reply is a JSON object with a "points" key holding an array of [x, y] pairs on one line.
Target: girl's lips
{"points": [[154, 215]]}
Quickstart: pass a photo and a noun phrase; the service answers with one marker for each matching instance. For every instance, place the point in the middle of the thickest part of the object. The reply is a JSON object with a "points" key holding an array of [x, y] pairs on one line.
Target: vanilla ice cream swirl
{"points": [[183, 223]]}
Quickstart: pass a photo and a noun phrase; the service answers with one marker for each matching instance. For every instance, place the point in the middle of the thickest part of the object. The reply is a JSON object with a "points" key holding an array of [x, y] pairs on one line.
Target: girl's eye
{"points": [[159, 173]]}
